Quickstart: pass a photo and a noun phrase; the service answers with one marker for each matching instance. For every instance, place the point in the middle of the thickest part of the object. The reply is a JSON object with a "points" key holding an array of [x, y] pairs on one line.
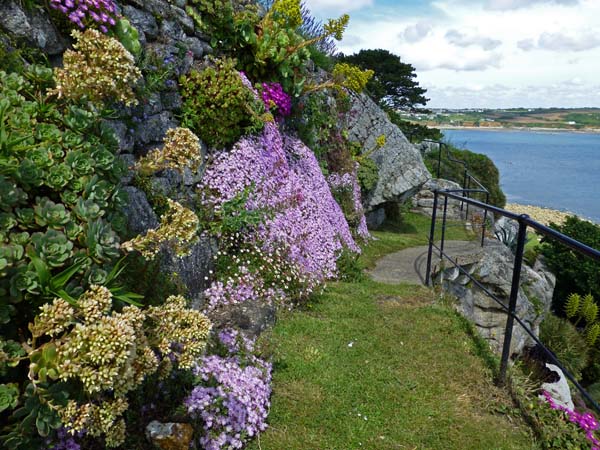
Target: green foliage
{"points": [[128, 35], [393, 84], [368, 174], [566, 342], [555, 430], [480, 166], [233, 216], [572, 305], [574, 272], [349, 267], [217, 106]]}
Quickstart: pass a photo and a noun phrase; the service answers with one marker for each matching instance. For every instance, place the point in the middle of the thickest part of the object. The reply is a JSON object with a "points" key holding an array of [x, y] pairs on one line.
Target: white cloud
{"points": [[474, 57], [463, 40], [416, 32], [337, 6], [503, 5]]}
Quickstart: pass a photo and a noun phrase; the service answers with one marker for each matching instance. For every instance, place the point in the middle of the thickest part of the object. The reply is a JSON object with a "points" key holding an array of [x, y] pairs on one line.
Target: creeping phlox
{"points": [[99, 69], [111, 353], [232, 399], [349, 182], [178, 230], [304, 223]]}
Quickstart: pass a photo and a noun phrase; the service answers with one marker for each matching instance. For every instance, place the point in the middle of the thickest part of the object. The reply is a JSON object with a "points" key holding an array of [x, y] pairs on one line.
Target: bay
{"points": [[558, 170]]}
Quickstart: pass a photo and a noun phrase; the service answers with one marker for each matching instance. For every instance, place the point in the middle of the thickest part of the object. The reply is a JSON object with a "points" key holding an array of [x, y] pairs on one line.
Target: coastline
{"points": [[533, 129], [541, 214]]}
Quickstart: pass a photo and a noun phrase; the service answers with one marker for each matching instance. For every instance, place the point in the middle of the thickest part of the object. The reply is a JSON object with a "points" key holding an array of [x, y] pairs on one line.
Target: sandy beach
{"points": [[539, 214]]}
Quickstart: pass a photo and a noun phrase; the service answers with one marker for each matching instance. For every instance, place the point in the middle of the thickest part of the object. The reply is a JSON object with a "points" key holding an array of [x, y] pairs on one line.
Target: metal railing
{"points": [[524, 222], [470, 183]]}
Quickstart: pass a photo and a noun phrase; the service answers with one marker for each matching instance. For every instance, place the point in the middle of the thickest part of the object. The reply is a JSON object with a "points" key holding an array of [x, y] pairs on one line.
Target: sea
{"points": [[552, 169]]}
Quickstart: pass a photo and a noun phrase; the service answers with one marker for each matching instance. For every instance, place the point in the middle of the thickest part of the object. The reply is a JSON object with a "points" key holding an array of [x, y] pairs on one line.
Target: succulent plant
{"points": [[50, 214], [101, 240], [53, 247], [58, 176]]}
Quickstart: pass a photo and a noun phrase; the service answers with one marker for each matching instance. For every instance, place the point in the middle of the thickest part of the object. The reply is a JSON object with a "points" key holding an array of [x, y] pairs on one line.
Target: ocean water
{"points": [[559, 170]]}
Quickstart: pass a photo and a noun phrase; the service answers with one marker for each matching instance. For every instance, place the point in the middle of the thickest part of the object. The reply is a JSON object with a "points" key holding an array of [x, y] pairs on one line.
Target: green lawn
{"points": [[375, 366], [382, 367]]}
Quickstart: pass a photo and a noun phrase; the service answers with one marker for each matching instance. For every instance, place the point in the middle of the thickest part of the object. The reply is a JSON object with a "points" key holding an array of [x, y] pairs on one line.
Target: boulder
{"points": [[253, 317], [559, 390], [170, 436], [492, 267], [401, 168]]}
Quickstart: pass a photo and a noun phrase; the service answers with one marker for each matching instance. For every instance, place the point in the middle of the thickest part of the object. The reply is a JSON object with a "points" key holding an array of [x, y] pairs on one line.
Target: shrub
{"points": [[480, 166], [574, 273], [99, 69], [566, 342], [218, 106]]}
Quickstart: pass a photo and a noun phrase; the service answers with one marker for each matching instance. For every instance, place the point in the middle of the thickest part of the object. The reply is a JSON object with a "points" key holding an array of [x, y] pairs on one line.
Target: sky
{"points": [[484, 53]]}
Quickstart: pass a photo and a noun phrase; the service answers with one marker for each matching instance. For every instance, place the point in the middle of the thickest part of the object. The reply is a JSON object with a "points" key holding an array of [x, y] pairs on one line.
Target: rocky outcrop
{"points": [[423, 200], [492, 266], [401, 168], [170, 436]]}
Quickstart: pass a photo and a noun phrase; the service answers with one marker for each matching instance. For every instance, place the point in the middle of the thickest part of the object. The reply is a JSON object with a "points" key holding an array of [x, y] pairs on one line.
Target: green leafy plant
{"points": [[217, 106], [566, 342], [573, 272]]}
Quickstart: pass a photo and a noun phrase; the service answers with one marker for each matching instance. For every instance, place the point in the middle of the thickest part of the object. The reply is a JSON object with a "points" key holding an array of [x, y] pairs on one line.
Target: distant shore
{"points": [[541, 214], [560, 130]]}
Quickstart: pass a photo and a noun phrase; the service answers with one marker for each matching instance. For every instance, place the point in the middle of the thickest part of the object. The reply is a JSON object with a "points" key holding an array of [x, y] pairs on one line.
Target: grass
{"points": [[375, 366]]}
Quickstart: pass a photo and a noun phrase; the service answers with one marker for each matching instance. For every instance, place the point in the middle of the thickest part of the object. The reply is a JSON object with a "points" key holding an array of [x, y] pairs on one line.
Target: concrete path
{"points": [[409, 265]]}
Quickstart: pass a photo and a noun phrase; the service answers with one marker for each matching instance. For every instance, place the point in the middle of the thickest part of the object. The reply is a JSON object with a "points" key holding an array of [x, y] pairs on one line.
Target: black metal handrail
{"points": [[524, 222]]}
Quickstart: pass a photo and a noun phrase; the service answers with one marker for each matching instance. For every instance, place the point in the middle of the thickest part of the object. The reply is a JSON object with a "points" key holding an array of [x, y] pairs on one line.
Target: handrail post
{"points": [[443, 227], [431, 237], [440, 146], [485, 211], [514, 292]]}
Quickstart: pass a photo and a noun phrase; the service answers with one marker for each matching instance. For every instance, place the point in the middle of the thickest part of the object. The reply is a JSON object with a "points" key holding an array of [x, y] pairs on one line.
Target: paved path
{"points": [[408, 265]]}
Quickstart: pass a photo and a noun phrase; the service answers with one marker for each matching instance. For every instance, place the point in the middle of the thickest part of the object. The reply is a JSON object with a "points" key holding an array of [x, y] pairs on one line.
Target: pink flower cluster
{"points": [[586, 421], [243, 286], [83, 12], [273, 95], [350, 181], [305, 220], [232, 399]]}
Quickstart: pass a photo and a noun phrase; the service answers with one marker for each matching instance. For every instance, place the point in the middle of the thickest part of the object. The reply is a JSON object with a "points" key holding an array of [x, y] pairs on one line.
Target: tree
{"points": [[393, 85]]}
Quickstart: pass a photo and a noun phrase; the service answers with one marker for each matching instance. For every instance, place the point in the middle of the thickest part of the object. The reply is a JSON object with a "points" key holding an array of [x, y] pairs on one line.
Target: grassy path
{"points": [[376, 366]]}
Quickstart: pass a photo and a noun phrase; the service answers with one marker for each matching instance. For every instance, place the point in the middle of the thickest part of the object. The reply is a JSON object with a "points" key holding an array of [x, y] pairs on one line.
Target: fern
{"points": [[572, 305], [592, 333]]}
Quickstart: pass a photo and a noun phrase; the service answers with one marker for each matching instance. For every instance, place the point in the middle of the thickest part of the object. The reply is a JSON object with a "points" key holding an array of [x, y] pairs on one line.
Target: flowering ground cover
{"points": [[373, 366]]}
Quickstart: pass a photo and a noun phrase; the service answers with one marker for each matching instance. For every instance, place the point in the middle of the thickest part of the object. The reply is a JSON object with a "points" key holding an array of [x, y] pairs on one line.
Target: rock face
{"points": [[401, 168], [492, 266], [423, 200]]}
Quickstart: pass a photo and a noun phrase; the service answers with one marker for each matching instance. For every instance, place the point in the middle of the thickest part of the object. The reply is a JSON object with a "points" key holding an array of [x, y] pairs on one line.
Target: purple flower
{"points": [[586, 421], [84, 13], [274, 96]]}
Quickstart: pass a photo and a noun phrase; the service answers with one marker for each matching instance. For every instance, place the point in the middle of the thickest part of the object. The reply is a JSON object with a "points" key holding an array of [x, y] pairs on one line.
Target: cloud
{"points": [[526, 44], [463, 64], [503, 5], [565, 94], [337, 6], [463, 40], [352, 40], [416, 32], [561, 42]]}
